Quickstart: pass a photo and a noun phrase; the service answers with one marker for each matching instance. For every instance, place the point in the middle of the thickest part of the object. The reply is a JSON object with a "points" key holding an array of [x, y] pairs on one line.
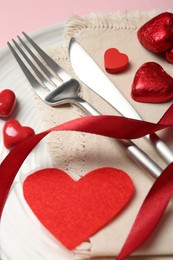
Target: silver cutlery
{"points": [[64, 89], [96, 80]]}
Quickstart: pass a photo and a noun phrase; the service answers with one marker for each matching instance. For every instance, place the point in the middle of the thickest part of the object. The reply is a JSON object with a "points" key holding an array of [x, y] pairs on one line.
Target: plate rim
{"points": [[4, 50]]}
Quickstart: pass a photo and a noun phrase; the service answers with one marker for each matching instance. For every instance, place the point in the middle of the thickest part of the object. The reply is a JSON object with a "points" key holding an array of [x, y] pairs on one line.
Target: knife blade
{"points": [[93, 76]]}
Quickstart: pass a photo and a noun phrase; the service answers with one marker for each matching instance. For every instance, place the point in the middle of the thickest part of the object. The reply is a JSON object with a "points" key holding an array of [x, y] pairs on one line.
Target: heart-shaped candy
{"points": [[71, 210], [157, 34], [7, 102], [14, 133], [152, 84], [115, 61]]}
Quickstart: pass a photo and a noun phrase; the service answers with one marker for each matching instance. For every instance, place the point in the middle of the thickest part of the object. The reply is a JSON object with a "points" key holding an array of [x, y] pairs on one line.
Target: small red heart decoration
{"points": [[115, 61], [7, 102], [74, 210], [157, 34], [14, 133], [152, 84]]}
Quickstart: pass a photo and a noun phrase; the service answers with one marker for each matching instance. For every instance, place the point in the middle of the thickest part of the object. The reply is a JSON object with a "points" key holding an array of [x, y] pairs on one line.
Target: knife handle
{"points": [[135, 153], [165, 152], [141, 158]]}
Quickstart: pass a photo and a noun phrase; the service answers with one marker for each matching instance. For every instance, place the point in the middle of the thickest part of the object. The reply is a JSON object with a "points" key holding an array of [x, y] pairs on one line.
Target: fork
{"points": [[56, 87]]}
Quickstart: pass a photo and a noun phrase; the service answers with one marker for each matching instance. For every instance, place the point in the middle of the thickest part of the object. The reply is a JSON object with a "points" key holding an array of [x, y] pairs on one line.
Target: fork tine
{"points": [[41, 92], [51, 77], [45, 82], [52, 64]]}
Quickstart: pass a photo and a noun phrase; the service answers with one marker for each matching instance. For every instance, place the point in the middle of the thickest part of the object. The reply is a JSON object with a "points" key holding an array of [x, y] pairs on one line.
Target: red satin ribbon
{"points": [[115, 127], [150, 212]]}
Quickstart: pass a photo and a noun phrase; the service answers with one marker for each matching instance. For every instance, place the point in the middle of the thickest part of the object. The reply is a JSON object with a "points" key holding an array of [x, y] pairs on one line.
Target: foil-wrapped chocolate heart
{"points": [[152, 84], [156, 35]]}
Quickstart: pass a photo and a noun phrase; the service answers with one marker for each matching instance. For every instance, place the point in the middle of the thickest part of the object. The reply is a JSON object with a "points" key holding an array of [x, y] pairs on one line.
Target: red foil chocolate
{"points": [[156, 35], [152, 84]]}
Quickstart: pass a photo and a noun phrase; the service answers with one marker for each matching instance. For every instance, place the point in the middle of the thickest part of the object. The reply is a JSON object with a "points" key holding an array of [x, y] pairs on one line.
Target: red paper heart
{"points": [[157, 34], [14, 133], [7, 102], [152, 84], [74, 210], [115, 61]]}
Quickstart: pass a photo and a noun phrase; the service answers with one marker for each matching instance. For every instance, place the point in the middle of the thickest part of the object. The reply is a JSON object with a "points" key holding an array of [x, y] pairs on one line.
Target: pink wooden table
{"points": [[29, 15]]}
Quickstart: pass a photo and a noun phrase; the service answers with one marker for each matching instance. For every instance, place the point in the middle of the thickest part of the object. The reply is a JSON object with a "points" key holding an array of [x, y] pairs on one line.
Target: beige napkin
{"points": [[78, 153]]}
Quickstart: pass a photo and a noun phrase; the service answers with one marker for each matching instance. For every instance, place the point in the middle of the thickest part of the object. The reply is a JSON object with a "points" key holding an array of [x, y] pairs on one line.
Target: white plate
{"points": [[21, 235]]}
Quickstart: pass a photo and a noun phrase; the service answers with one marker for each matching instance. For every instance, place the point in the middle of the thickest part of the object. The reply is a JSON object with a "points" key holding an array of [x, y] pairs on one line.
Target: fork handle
{"points": [[135, 153], [85, 106]]}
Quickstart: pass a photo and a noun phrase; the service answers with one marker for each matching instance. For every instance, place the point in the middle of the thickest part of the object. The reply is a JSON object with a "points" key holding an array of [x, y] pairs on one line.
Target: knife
{"points": [[93, 76]]}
